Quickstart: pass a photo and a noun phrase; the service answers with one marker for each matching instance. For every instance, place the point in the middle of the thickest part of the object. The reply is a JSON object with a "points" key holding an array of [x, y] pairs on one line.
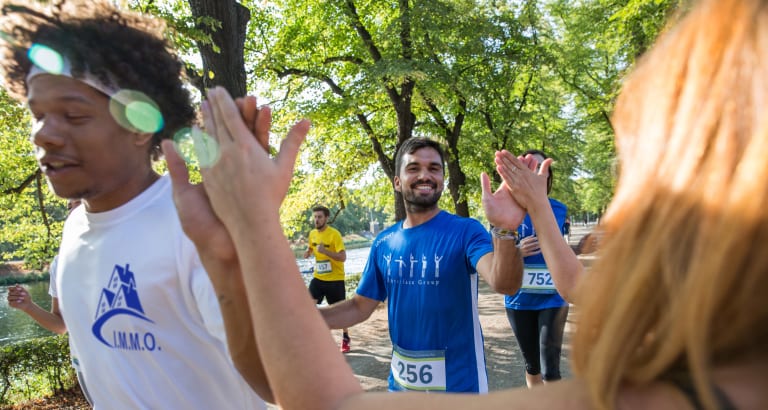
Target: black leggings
{"points": [[540, 336]]}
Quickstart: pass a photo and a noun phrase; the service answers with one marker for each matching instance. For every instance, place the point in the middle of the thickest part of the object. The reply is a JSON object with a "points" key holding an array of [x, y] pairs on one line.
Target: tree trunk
{"points": [[457, 179], [226, 67]]}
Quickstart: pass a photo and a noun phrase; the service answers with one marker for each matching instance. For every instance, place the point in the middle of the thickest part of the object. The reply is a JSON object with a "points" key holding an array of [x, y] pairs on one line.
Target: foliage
{"points": [[30, 214], [478, 75], [27, 278], [34, 368], [591, 46]]}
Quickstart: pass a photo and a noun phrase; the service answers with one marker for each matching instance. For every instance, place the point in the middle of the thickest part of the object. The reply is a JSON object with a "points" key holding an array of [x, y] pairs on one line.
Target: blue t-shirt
{"points": [[532, 298], [427, 274]]}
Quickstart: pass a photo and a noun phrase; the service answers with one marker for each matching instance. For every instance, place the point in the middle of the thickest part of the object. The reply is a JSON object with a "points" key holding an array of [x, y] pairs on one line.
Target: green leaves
{"points": [[34, 368], [478, 75], [30, 215]]}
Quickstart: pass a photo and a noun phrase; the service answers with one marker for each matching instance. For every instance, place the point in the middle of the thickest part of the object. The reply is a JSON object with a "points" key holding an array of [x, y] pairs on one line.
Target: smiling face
{"points": [[81, 150], [420, 180]]}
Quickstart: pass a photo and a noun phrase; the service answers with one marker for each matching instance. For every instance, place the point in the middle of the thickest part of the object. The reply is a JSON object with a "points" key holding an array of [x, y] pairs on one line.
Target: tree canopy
{"points": [[477, 75]]}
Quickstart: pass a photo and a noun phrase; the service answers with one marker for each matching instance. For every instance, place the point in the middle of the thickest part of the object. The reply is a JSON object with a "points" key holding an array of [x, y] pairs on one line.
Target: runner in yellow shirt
{"points": [[328, 280]]}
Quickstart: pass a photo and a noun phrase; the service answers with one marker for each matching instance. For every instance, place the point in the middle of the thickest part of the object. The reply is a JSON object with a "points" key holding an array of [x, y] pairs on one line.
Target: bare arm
{"points": [[502, 268], [563, 265], [246, 188], [19, 298], [349, 312], [233, 302], [529, 189], [340, 256], [217, 253], [570, 394]]}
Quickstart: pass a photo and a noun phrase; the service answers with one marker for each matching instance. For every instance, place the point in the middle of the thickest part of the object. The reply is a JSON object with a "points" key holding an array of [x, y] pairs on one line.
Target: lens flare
{"points": [[135, 111], [196, 147], [46, 58]]}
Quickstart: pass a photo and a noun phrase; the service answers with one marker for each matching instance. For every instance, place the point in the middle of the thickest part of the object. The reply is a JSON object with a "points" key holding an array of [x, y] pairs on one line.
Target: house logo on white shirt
{"points": [[120, 298]]}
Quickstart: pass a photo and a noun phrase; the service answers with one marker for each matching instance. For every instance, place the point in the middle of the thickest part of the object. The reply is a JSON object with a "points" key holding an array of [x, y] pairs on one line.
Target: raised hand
{"points": [[526, 184], [246, 183], [198, 220], [500, 207]]}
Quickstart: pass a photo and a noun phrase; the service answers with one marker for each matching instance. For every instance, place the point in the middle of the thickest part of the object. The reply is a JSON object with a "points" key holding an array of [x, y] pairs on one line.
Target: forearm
{"points": [[562, 263], [233, 303], [345, 314], [289, 329], [505, 274], [337, 256], [46, 319]]}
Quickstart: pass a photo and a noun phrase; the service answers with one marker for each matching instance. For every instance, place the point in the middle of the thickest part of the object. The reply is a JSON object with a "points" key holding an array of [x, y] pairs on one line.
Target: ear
{"points": [[142, 139], [396, 182]]}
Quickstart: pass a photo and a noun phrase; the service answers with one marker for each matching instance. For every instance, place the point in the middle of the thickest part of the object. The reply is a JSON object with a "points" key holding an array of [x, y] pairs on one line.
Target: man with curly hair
{"points": [[146, 322]]}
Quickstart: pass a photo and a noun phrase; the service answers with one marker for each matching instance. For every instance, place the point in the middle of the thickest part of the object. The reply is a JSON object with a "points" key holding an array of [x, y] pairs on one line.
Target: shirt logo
{"points": [[120, 298]]}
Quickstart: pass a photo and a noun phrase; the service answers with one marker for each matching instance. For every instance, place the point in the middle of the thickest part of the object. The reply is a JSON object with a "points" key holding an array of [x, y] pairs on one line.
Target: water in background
{"points": [[16, 325]]}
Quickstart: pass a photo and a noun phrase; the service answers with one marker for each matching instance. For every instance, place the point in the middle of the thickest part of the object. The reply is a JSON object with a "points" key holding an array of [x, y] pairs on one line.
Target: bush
{"points": [[34, 368], [25, 278]]}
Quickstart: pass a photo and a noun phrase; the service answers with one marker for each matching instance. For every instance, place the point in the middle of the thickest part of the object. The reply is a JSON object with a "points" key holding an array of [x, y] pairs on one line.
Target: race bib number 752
{"points": [[537, 279]]}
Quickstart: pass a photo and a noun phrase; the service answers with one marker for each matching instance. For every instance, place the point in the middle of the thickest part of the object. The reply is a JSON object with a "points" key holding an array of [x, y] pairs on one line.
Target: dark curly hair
{"points": [[114, 45]]}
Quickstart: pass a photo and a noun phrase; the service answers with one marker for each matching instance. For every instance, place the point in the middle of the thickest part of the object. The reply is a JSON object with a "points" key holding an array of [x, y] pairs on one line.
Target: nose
{"points": [[424, 174], [47, 133]]}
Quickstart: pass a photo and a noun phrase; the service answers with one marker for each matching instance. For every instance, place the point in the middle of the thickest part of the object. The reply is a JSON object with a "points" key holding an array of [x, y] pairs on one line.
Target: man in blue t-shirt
{"points": [[426, 266]]}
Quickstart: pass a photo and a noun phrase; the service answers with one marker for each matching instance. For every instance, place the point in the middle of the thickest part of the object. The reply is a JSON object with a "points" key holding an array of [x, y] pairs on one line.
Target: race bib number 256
{"points": [[419, 370]]}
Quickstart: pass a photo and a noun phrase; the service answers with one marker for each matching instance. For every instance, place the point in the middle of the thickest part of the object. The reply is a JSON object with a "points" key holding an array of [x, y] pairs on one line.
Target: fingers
{"points": [[227, 116], [289, 148], [485, 184], [177, 168], [211, 128], [16, 295], [529, 161], [544, 170], [248, 110], [257, 120], [261, 127], [218, 101], [510, 160]]}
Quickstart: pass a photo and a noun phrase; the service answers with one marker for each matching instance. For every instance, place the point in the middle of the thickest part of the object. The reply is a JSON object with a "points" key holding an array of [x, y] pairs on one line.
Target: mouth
{"points": [[54, 166], [424, 187]]}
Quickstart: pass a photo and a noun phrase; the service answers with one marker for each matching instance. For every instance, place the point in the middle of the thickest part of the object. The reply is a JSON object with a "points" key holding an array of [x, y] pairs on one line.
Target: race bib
{"points": [[323, 267], [537, 279], [419, 370]]}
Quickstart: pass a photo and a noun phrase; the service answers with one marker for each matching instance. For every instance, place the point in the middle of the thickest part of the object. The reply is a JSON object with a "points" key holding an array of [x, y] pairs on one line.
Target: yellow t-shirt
{"points": [[327, 268]]}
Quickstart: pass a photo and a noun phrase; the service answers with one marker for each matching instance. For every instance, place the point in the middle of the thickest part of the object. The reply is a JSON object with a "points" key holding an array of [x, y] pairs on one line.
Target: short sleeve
{"points": [[478, 242], [52, 277], [371, 281], [339, 243]]}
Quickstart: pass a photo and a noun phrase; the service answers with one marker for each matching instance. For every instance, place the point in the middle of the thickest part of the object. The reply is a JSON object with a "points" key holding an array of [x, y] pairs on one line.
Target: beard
{"points": [[415, 203], [319, 226]]}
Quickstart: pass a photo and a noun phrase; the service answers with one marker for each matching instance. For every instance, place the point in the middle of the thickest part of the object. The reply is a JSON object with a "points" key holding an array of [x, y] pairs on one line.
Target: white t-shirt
{"points": [[141, 312]]}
